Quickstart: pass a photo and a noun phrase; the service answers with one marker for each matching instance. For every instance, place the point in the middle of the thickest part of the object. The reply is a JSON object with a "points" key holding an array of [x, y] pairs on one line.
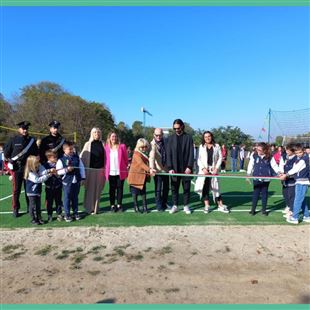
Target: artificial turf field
{"points": [[237, 195]]}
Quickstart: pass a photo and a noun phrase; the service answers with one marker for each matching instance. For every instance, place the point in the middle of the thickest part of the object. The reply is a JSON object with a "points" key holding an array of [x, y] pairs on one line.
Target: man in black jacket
{"points": [[54, 142], [180, 159], [16, 151]]}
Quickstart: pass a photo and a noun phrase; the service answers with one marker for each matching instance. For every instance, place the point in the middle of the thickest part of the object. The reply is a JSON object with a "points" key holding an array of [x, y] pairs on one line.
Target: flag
{"points": [[263, 129]]}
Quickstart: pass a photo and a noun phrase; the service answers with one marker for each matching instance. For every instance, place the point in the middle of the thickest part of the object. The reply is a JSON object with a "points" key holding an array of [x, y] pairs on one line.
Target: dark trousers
{"points": [[206, 190], [17, 181], [35, 207], [289, 196], [260, 188], [223, 165], [116, 189], [71, 198], [161, 191], [241, 164], [51, 195], [175, 185]]}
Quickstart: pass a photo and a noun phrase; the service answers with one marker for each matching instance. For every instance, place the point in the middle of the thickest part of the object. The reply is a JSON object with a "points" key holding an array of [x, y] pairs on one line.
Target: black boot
{"points": [[145, 209], [15, 213], [252, 212], [135, 203]]}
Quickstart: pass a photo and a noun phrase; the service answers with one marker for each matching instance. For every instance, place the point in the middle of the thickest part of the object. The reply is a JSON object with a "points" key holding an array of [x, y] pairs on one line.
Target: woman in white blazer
{"points": [[209, 163]]}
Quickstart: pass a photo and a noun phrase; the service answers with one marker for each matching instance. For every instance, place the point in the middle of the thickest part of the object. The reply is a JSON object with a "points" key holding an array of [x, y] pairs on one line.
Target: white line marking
{"points": [[7, 197], [151, 211]]}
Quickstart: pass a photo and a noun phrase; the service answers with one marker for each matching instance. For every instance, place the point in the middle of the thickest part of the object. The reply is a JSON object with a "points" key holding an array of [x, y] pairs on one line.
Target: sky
{"points": [[210, 66]]}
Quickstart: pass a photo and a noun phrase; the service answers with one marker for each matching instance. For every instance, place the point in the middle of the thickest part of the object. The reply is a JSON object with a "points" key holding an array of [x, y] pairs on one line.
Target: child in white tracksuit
{"points": [[301, 173], [35, 175]]}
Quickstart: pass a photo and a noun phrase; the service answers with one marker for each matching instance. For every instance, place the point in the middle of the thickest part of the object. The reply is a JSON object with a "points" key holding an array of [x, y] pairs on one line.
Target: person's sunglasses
{"points": [[176, 128]]}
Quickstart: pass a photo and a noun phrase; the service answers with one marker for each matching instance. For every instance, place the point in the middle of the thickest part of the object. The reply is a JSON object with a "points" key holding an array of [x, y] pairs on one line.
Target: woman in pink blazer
{"points": [[116, 169]]}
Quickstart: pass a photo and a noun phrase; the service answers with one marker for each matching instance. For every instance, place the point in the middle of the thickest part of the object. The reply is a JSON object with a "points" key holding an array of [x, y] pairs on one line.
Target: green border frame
{"points": [[154, 2], [16, 3]]}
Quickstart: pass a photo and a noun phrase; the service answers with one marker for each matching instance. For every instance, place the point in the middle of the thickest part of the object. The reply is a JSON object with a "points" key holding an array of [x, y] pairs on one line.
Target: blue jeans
{"points": [[241, 164], [234, 164], [71, 198], [300, 201]]}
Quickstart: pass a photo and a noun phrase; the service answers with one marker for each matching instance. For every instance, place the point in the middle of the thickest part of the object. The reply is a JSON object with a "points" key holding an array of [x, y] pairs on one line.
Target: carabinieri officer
{"points": [[16, 152], [54, 142]]}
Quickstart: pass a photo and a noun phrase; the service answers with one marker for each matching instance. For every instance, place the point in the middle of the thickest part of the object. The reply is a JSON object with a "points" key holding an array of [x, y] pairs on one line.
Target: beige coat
{"points": [[138, 170], [94, 183], [203, 163], [155, 159]]}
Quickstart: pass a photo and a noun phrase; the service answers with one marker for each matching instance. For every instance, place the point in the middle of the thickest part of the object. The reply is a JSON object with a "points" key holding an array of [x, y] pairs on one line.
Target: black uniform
{"points": [[11, 149], [51, 142]]}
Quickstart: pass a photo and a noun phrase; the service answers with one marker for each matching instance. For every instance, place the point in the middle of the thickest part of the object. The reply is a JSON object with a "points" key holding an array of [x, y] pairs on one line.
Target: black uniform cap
{"points": [[54, 124], [23, 124]]}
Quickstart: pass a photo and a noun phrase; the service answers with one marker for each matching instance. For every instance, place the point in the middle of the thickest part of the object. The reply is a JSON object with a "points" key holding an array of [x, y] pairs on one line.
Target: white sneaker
{"points": [[174, 209], [206, 210], [292, 220], [288, 214], [223, 209], [306, 219], [286, 210], [187, 210]]}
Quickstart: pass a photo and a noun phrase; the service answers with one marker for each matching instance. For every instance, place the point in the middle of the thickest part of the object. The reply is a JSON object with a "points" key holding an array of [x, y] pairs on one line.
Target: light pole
{"points": [[144, 111]]}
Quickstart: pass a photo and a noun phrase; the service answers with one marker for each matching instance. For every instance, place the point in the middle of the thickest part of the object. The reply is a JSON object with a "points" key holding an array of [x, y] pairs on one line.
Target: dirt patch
{"points": [[192, 264]]}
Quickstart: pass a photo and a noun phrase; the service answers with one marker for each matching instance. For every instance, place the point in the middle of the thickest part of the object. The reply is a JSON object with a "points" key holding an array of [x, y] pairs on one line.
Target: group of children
{"points": [[293, 170], [60, 175]]}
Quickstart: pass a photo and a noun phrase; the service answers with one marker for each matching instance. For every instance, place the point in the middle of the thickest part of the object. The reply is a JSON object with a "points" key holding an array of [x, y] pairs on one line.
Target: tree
{"points": [[126, 135], [40, 103], [231, 135], [197, 137], [279, 140], [78, 115], [137, 129], [188, 129], [5, 117]]}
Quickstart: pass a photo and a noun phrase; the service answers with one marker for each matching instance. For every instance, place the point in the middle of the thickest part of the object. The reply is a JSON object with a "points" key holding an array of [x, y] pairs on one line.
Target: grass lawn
{"points": [[237, 195]]}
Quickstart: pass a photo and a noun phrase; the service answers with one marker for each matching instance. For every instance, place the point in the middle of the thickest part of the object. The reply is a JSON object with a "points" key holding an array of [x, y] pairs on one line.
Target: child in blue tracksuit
{"points": [[300, 171], [73, 172], [34, 180], [53, 188], [287, 161], [261, 165]]}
